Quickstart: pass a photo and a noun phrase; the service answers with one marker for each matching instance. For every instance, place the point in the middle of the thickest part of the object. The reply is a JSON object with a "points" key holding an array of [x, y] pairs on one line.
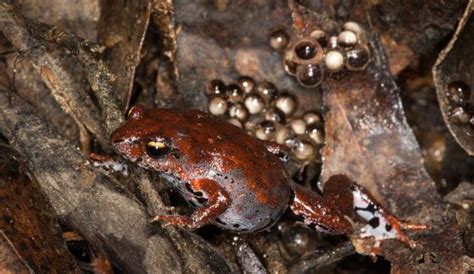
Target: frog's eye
{"points": [[156, 149]]}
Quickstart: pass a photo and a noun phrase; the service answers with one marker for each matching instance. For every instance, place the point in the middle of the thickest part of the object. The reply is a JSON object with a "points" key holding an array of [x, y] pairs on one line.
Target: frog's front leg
{"points": [[317, 212], [109, 163], [218, 201]]}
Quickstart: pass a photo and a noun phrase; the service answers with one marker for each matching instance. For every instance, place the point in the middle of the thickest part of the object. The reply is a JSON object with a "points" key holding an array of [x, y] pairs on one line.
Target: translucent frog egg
{"points": [[316, 133], [246, 83], [265, 131], [283, 134], [279, 40], [304, 150], [238, 111], [310, 75], [274, 115], [267, 90], [357, 58], [215, 87], [347, 38], [334, 60], [320, 36], [235, 122], [312, 117], [458, 92], [234, 93], [298, 125], [286, 103], [353, 26], [217, 105], [254, 103]]}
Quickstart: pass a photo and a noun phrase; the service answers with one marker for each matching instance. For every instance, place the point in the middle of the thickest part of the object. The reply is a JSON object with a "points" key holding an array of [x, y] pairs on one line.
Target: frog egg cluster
{"points": [[311, 58], [461, 109], [264, 112]]}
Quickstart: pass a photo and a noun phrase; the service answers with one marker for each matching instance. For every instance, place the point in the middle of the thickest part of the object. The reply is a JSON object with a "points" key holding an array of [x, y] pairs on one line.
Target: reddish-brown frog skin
{"points": [[202, 146]]}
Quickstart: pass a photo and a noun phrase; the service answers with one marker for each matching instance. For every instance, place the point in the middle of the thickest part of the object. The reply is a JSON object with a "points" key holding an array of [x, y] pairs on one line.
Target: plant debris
{"points": [[69, 72]]}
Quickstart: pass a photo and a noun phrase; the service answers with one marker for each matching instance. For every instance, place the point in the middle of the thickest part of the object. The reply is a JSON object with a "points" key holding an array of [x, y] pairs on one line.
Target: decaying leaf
{"points": [[453, 73], [122, 29], [188, 44], [28, 224]]}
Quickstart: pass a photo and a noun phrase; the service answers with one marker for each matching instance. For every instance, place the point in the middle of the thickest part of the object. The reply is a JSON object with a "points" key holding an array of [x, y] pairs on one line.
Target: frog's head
{"points": [[142, 140]]}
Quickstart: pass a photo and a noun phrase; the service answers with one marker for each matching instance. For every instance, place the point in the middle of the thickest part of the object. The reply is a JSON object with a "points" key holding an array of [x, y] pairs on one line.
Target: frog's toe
{"points": [[387, 227], [175, 220]]}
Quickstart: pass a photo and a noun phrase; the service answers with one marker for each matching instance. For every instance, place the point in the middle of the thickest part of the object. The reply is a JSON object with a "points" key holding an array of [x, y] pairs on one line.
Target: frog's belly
{"points": [[248, 213], [245, 213], [251, 216]]}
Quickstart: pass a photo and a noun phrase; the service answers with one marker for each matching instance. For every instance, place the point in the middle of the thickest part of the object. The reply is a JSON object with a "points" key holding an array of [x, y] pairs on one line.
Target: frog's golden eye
{"points": [[156, 149]]}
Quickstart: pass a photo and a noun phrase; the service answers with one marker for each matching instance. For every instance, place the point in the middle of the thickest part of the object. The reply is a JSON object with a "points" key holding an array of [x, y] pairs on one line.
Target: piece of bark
{"points": [[317, 259], [456, 64], [163, 18], [50, 64], [27, 221], [79, 17], [106, 216], [28, 84], [409, 28], [420, 25], [122, 30], [248, 260], [167, 71], [463, 197], [75, 17], [10, 261], [368, 139]]}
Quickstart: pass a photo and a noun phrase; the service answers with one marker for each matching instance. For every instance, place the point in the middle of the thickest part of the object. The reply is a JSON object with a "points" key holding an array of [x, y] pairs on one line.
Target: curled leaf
{"points": [[454, 78]]}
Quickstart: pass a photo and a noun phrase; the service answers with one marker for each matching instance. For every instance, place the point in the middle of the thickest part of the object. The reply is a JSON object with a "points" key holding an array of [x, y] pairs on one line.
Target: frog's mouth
{"points": [[129, 148]]}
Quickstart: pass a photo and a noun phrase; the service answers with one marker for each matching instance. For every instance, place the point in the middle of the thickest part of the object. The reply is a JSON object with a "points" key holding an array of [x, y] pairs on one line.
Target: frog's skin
{"points": [[240, 183]]}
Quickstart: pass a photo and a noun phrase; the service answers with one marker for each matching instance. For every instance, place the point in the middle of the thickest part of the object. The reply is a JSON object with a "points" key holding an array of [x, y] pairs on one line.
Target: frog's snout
{"points": [[116, 138]]}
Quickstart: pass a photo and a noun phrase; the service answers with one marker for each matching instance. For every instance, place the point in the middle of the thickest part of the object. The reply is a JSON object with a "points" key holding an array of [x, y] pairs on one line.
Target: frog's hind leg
{"points": [[381, 225], [317, 212], [218, 201]]}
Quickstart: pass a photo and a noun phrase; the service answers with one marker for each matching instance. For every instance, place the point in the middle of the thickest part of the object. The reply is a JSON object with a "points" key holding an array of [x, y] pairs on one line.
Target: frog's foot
{"points": [[218, 201], [398, 225], [381, 224], [379, 235], [109, 163]]}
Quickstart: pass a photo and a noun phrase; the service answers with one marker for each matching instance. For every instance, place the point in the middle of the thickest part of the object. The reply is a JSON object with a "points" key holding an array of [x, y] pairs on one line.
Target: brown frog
{"points": [[239, 183]]}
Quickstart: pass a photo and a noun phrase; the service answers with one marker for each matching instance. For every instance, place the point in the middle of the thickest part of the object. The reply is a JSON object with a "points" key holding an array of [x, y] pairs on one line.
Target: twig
{"points": [[315, 260]]}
